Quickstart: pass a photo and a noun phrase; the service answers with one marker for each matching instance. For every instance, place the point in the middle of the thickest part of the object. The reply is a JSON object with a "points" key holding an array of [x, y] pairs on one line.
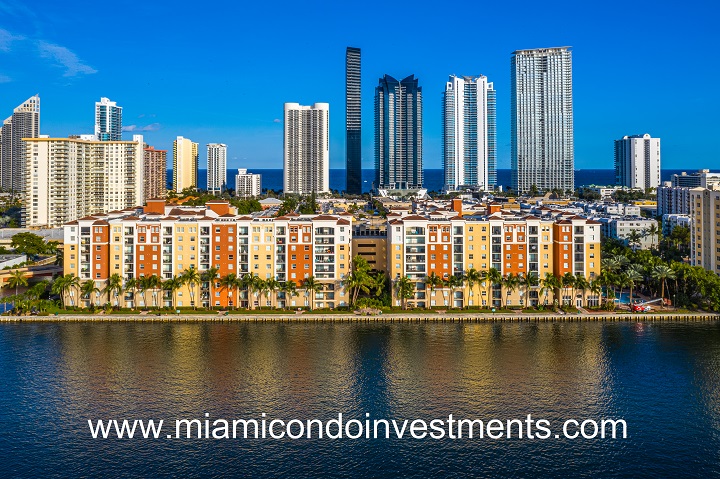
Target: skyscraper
{"points": [[469, 133], [108, 120], [24, 123], [247, 184], [216, 167], [353, 141], [185, 164], [306, 149], [637, 161], [541, 118], [155, 172], [398, 134]]}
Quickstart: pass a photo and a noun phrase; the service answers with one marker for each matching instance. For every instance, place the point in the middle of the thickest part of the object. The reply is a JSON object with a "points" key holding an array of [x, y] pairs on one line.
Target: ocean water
{"points": [[662, 379], [273, 178]]}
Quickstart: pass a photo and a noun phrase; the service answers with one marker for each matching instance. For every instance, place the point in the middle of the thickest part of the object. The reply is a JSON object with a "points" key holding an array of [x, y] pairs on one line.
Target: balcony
{"points": [[420, 268], [418, 240], [457, 249], [458, 240], [324, 250], [415, 249], [324, 259], [415, 259], [415, 231], [324, 240], [167, 241], [325, 231], [325, 269], [280, 240]]}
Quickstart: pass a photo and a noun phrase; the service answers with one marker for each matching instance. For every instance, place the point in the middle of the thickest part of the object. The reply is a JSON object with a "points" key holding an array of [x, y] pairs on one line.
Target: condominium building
{"points": [[23, 123], [166, 241], [353, 130], [185, 164], [306, 149], [216, 168], [442, 245], [701, 178], [398, 134], [247, 184], [469, 134], [637, 161], [705, 231], [154, 173], [673, 197], [541, 114], [68, 178], [108, 120]]}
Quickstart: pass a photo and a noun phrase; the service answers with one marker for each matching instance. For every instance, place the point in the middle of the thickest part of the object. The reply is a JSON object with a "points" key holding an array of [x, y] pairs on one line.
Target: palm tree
{"points": [[354, 282], [191, 277], [405, 290], [311, 286], [172, 284], [494, 278], [64, 285], [271, 287], [17, 278], [633, 275], [433, 281], [581, 284], [472, 276], [114, 287], [568, 281], [290, 289], [511, 283], [131, 285], [142, 286], [87, 289], [208, 276], [552, 283], [254, 285], [231, 282], [595, 288], [653, 232], [529, 281], [154, 283], [378, 283], [633, 238], [454, 282], [662, 273]]}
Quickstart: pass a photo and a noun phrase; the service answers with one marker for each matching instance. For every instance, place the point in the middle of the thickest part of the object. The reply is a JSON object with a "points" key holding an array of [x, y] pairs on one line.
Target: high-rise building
{"points": [[23, 123], [353, 137], [306, 149], [155, 173], [705, 230], [216, 168], [398, 134], [541, 117], [108, 120], [185, 164], [69, 178], [247, 184], [637, 161], [469, 133]]}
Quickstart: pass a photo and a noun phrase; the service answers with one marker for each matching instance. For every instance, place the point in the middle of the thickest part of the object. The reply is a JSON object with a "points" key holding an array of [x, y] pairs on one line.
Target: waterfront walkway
{"points": [[410, 317]]}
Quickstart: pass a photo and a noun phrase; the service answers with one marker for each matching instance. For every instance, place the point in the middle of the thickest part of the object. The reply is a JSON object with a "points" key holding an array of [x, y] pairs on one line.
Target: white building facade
{"points": [[637, 161], [108, 120], [216, 168], [247, 184], [469, 133], [306, 149]]}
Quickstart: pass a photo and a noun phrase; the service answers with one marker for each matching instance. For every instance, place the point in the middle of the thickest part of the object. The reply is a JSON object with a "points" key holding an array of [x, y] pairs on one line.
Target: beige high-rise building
{"points": [[155, 173], [185, 164], [69, 178], [306, 152], [705, 228], [23, 123]]}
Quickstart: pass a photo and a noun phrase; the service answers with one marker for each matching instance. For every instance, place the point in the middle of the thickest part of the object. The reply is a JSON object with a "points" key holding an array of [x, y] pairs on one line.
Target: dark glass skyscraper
{"points": [[398, 134], [353, 153]]}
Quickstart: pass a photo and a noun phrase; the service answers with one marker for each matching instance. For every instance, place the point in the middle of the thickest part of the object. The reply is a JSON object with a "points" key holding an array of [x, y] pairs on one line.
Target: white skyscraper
{"points": [[541, 120], [306, 149], [216, 167], [23, 123], [108, 120], [469, 133], [247, 184], [637, 161]]}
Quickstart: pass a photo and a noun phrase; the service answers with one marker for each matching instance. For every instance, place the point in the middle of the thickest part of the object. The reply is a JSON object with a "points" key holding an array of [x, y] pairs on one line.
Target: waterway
{"points": [[663, 379]]}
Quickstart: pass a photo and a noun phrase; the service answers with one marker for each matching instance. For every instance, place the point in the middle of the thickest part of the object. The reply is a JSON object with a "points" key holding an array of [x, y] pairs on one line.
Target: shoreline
{"points": [[384, 318]]}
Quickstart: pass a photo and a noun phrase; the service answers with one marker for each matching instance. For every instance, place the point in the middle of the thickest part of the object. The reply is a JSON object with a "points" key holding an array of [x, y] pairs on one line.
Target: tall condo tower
{"points": [[23, 123], [398, 134], [469, 133], [306, 149], [155, 172], [108, 120], [637, 161], [216, 167], [185, 164], [353, 145], [541, 118]]}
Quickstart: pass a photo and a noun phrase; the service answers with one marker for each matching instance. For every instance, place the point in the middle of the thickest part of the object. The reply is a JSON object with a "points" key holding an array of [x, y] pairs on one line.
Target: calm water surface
{"points": [[663, 379]]}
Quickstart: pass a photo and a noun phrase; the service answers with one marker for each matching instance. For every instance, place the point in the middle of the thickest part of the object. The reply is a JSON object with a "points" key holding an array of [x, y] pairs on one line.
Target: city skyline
{"points": [[71, 71]]}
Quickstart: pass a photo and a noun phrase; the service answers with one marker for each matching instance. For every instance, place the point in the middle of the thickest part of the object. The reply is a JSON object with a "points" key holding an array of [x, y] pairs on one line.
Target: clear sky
{"points": [[220, 71]]}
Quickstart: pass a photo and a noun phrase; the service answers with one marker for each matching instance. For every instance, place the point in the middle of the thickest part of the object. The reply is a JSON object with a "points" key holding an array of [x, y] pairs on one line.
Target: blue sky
{"points": [[221, 73]]}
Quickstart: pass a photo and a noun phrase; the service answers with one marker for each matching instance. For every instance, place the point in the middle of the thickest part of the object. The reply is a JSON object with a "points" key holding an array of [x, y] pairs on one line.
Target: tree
{"points": [[529, 281], [633, 275], [633, 238], [271, 287], [114, 287], [311, 286], [653, 232], [494, 278], [230, 283], [433, 281], [405, 289], [172, 284], [17, 278], [581, 284], [454, 282], [154, 283], [662, 273], [88, 289], [552, 283], [290, 290], [472, 277], [29, 243], [191, 277], [358, 279], [63, 285], [131, 285], [511, 283], [568, 281], [142, 286]]}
